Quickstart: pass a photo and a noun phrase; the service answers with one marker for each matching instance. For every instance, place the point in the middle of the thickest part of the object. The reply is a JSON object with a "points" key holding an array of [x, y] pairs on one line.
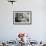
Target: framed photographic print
{"points": [[22, 17]]}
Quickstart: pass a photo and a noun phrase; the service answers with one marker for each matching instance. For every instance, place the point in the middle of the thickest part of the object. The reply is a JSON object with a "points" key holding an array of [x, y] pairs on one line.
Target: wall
{"points": [[9, 31]]}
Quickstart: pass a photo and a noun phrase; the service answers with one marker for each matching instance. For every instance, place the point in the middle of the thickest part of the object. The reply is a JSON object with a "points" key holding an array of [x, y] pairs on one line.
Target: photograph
{"points": [[22, 17]]}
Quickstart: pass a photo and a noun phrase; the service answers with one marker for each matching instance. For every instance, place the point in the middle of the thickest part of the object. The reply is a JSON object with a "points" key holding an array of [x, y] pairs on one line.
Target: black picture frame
{"points": [[22, 17]]}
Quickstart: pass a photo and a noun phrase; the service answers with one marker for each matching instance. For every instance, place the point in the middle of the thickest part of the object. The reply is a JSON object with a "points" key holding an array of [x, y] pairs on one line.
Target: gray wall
{"points": [[37, 30]]}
